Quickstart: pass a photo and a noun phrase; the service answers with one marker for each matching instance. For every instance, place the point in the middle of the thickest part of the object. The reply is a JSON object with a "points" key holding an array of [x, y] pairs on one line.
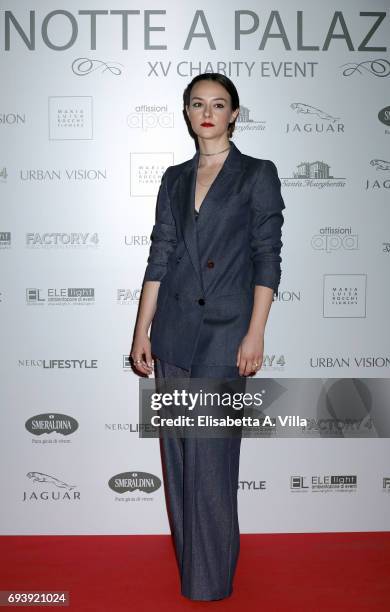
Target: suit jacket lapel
{"points": [[221, 188], [213, 201], [186, 191]]}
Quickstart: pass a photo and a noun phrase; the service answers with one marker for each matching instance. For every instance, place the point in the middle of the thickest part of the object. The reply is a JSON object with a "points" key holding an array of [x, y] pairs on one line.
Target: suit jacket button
{"points": [[176, 296], [210, 263], [201, 302]]}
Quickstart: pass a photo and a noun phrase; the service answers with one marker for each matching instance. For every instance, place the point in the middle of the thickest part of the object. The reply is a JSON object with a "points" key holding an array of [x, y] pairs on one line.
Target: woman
{"points": [[213, 268]]}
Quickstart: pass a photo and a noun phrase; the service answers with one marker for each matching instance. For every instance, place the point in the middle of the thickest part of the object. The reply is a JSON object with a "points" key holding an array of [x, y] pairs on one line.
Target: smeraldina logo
{"points": [[51, 423], [313, 120], [384, 117], [134, 481], [50, 488], [61, 296]]}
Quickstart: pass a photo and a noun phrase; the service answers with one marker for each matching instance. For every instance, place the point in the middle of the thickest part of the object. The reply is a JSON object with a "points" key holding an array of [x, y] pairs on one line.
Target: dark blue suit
{"points": [[208, 268]]}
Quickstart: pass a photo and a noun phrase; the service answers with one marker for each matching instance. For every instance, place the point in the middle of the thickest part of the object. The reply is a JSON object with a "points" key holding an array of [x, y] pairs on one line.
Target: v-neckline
{"points": [[212, 184]]}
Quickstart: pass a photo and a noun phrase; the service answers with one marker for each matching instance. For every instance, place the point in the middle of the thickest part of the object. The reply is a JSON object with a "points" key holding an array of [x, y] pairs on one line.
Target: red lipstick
{"points": [[207, 124]]}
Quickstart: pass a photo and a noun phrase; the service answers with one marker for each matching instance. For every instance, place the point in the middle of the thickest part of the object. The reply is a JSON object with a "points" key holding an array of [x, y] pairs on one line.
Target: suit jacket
{"points": [[209, 267]]}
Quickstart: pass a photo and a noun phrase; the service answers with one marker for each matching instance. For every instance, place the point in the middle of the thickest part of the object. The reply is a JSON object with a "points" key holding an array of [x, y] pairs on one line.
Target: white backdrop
{"points": [[90, 117]]}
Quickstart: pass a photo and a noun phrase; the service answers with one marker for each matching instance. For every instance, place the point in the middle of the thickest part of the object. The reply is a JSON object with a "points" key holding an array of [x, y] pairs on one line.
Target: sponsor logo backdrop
{"points": [[90, 117]]}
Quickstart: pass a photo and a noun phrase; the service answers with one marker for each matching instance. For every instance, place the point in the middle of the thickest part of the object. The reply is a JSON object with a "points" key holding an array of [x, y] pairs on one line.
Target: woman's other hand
{"points": [[250, 353], [141, 353], [141, 350]]}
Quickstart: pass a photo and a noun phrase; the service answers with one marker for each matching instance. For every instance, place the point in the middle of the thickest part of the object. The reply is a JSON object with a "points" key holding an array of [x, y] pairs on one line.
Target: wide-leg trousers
{"points": [[201, 485]]}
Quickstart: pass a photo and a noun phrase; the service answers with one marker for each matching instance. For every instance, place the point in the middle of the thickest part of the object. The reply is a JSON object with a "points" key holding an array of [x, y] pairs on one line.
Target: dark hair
{"points": [[225, 82]]}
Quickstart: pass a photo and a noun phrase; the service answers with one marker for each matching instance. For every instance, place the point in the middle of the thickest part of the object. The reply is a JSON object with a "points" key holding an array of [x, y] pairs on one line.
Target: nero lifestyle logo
{"points": [[133, 482], [325, 483], [150, 117], [70, 118], [131, 427], [313, 120], [62, 296], [48, 488], [5, 240], [62, 240], [249, 486], [382, 178], [128, 297], [146, 171], [59, 364], [384, 117], [344, 295], [51, 423], [335, 238], [313, 175]]}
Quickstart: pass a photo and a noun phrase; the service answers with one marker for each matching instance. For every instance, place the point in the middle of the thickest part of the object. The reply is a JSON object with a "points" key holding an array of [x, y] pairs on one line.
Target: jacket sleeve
{"points": [[266, 228], [163, 235]]}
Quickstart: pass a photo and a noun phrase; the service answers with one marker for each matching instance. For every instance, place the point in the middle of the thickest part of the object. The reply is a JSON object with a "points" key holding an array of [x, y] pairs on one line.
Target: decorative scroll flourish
{"points": [[378, 67], [83, 66]]}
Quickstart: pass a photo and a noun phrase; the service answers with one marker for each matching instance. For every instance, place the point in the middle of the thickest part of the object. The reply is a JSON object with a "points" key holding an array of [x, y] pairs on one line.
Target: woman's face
{"points": [[210, 103]]}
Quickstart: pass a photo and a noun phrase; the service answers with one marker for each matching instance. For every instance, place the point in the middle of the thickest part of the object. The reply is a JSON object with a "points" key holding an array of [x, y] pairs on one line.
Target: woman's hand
{"points": [[141, 353], [250, 353]]}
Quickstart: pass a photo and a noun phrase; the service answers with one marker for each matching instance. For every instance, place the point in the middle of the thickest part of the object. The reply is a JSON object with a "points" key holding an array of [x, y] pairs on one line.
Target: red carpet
{"points": [[328, 572]]}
